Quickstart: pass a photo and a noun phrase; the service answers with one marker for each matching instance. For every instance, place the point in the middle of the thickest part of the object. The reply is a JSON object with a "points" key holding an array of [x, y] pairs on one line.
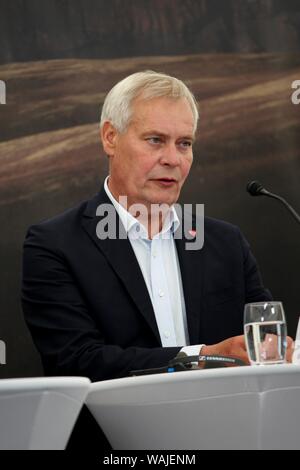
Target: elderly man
{"points": [[103, 306]]}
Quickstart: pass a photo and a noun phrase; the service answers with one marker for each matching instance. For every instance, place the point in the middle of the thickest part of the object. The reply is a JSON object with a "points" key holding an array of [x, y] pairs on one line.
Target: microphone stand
{"points": [[284, 202], [256, 189]]}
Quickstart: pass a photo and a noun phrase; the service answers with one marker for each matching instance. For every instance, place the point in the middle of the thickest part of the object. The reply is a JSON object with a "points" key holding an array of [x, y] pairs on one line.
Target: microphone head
{"points": [[255, 188]]}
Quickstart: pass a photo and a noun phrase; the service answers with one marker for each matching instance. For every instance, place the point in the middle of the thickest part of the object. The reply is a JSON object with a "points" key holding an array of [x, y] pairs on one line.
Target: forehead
{"points": [[163, 114]]}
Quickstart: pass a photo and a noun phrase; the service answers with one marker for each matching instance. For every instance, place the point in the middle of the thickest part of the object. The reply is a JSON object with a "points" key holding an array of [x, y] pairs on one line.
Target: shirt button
{"points": [[154, 254], [161, 293], [167, 334]]}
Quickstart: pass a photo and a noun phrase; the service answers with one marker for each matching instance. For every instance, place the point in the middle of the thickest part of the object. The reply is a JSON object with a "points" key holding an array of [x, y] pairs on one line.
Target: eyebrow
{"points": [[161, 134]]}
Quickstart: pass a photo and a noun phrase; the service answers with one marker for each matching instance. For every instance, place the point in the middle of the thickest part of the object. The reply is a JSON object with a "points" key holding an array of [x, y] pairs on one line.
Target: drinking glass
{"points": [[296, 355], [265, 332]]}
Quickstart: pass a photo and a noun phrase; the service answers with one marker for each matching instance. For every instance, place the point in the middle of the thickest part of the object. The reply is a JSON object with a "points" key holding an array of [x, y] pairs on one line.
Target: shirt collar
{"points": [[171, 221]]}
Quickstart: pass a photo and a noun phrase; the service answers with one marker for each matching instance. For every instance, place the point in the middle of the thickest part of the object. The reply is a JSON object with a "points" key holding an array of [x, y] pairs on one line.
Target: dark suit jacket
{"points": [[88, 308]]}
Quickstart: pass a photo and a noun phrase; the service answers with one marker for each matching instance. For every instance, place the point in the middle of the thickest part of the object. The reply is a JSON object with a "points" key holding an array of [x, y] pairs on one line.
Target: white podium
{"points": [[232, 408], [39, 413]]}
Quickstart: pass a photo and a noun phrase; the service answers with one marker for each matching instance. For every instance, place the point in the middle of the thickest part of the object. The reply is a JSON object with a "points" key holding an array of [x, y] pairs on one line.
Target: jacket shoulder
{"points": [[56, 230], [217, 225]]}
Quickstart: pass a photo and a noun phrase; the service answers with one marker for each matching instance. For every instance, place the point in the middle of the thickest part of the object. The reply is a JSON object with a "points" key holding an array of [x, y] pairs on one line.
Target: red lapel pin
{"points": [[192, 233]]}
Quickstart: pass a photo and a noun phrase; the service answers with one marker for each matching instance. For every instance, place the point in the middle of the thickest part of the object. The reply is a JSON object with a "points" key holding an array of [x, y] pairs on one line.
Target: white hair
{"points": [[117, 106]]}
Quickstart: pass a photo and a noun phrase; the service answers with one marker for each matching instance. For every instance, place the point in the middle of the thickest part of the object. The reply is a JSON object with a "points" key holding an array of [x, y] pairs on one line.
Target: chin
{"points": [[163, 198], [169, 202]]}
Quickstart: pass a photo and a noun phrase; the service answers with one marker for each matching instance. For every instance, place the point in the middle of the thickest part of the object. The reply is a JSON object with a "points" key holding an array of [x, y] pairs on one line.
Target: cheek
{"points": [[145, 165], [186, 166]]}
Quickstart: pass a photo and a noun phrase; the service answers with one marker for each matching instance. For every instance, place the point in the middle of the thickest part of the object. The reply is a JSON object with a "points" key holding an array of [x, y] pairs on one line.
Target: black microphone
{"points": [[256, 189]]}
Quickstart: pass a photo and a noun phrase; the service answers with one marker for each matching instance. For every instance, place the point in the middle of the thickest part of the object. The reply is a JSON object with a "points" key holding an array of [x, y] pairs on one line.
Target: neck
{"points": [[152, 221], [151, 216]]}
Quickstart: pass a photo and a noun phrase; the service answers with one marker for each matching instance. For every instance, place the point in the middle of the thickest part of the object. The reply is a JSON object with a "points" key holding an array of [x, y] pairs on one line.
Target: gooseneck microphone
{"points": [[256, 189]]}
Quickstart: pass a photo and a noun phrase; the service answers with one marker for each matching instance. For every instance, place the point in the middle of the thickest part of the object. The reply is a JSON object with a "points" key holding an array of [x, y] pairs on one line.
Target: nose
{"points": [[170, 156]]}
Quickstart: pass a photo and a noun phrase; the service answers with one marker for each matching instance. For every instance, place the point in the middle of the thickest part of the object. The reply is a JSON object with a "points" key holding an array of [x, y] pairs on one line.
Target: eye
{"points": [[185, 144], [154, 140]]}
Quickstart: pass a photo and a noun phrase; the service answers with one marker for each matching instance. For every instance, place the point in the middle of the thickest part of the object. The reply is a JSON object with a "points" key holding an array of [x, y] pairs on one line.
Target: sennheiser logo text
{"points": [[2, 92], [296, 95], [2, 353]]}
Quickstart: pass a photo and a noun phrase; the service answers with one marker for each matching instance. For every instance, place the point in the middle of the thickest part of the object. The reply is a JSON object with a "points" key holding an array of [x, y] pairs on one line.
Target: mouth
{"points": [[165, 181]]}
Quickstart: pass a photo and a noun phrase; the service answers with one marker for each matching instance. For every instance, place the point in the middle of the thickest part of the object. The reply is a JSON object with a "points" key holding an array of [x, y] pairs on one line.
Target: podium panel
{"points": [[39, 413], [230, 408]]}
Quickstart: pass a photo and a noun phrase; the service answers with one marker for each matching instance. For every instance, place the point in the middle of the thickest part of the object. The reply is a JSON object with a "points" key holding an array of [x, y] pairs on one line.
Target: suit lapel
{"points": [[192, 271], [121, 257]]}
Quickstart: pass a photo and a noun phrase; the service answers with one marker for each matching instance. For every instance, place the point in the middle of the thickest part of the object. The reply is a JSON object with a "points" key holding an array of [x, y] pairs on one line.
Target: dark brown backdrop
{"points": [[59, 59]]}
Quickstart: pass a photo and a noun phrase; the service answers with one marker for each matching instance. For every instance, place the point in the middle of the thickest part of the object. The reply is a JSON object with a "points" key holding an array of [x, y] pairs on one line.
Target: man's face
{"points": [[151, 160]]}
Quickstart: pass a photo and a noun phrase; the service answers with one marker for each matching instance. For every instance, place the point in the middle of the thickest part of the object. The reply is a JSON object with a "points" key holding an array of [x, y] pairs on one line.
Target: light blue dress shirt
{"points": [[159, 264]]}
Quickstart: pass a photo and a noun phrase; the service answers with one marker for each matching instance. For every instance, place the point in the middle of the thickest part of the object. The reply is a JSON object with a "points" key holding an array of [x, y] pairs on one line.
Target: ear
{"points": [[108, 137]]}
